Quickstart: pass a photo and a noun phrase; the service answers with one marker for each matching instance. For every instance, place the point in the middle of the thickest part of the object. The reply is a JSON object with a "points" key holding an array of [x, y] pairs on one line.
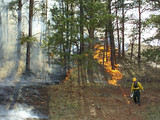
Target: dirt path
{"points": [[98, 102]]}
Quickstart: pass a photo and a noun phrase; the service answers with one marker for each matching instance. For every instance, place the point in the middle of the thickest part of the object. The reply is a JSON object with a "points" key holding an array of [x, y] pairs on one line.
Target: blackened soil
{"points": [[32, 96]]}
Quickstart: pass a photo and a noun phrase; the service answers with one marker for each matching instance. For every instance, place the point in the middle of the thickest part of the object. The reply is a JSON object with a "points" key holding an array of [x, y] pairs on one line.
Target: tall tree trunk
{"points": [[104, 51], [132, 44], [46, 9], [139, 30], [47, 31], [7, 24], [82, 61], [71, 33], [63, 45], [123, 15], [67, 35], [19, 28], [28, 59], [106, 41], [90, 60], [79, 66], [72, 36], [113, 59], [119, 43], [1, 38], [81, 28], [112, 44], [107, 35]]}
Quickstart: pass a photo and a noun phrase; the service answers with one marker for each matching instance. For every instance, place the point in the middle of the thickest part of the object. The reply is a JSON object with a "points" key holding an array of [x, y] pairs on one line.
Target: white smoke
{"points": [[19, 113], [12, 74]]}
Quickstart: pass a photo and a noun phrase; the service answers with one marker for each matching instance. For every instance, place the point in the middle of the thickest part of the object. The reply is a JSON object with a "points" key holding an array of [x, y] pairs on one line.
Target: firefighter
{"points": [[136, 89]]}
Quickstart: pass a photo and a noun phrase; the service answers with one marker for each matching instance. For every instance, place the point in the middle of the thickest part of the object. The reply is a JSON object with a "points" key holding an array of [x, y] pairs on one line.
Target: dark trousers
{"points": [[136, 96]]}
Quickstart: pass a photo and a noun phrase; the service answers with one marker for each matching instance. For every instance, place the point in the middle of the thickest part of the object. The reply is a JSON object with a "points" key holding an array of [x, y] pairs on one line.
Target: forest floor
{"points": [[68, 101], [100, 101]]}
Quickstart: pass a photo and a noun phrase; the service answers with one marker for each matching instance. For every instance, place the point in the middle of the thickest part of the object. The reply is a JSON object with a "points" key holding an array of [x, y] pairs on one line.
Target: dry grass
{"points": [[144, 73], [70, 101], [153, 112]]}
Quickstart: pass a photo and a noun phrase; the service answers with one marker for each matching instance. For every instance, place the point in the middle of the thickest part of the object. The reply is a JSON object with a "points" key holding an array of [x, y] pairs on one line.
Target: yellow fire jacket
{"points": [[140, 87]]}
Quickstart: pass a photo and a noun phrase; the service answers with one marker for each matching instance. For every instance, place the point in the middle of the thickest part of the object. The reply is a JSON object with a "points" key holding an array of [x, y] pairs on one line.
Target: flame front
{"points": [[115, 74], [68, 74]]}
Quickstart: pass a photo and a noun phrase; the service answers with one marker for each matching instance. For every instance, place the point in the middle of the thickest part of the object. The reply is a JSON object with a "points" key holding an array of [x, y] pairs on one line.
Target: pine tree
{"points": [[112, 43], [89, 17], [19, 28], [28, 59]]}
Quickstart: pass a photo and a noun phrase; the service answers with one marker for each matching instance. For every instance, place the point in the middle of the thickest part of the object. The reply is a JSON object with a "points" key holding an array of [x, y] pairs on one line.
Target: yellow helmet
{"points": [[134, 79]]}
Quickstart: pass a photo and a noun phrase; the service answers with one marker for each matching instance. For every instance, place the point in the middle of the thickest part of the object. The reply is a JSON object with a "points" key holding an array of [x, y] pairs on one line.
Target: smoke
{"points": [[1, 34], [12, 74], [19, 113]]}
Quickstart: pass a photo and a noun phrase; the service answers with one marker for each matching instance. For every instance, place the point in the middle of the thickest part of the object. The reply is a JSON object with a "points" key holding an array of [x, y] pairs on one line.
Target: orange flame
{"points": [[115, 74], [68, 74]]}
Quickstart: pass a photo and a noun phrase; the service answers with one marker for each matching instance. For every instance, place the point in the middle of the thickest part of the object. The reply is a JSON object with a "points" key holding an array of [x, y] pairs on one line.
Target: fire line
{"points": [[68, 74], [115, 74]]}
